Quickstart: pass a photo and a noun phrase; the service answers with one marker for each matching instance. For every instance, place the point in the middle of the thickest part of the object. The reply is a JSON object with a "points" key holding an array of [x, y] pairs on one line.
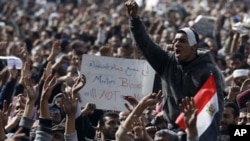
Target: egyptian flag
{"points": [[206, 102]]}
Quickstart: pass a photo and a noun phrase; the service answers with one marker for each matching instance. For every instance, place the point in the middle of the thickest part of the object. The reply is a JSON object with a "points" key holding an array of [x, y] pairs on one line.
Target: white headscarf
{"points": [[190, 35]]}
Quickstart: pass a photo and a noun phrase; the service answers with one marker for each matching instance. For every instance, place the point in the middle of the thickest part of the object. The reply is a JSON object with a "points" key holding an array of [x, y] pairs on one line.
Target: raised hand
{"points": [[48, 86], [63, 59], [132, 8], [31, 93], [190, 114], [25, 72], [78, 85], [23, 54], [69, 104], [151, 99], [56, 47], [132, 101], [88, 109], [47, 71]]}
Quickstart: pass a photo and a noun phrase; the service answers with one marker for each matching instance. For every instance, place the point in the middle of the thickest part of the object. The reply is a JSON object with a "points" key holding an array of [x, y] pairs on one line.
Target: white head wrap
{"points": [[190, 35], [240, 73]]}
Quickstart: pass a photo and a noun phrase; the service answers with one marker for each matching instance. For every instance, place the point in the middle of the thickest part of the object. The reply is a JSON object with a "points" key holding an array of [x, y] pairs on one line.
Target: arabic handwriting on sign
{"points": [[106, 66], [105, 80], [129, 71], [113, 67]]}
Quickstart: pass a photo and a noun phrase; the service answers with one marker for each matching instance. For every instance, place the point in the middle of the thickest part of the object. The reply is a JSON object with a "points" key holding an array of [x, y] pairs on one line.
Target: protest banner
{"points": [[109, 79]]}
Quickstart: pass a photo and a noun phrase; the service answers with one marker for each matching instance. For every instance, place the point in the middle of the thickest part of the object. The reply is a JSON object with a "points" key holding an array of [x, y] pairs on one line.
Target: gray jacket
{"points": [[178, 79]]}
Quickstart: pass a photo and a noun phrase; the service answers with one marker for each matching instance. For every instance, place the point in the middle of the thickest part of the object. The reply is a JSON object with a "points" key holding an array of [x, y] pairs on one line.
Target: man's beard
{"points": [[225, 129]]}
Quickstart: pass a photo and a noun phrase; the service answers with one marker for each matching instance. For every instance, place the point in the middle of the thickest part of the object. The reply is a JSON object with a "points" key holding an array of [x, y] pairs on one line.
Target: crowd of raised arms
{"points": [[42, 100]]}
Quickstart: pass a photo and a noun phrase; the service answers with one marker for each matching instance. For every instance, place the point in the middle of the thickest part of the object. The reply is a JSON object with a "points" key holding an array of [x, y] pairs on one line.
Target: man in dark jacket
{"points": [[183, 71]]}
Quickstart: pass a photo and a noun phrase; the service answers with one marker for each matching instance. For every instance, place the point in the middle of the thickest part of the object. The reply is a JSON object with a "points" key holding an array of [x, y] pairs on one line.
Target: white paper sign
{"points": [[109, 79], [150, 4], [13, 61], [204, 25]]}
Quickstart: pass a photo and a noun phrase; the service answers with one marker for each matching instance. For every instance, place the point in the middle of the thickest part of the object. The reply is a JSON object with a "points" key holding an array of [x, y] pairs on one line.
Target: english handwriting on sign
{"points": [[91, 93], [127, 83], [105, 80], [109, 95]]}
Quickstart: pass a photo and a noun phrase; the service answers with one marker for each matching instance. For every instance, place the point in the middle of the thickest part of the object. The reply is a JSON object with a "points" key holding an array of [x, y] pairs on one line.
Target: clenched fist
{"points": [[132, 8]]}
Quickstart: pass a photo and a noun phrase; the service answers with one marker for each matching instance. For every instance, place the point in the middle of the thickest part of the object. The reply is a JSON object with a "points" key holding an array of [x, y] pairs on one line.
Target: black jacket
{"points": [[178, 79]]}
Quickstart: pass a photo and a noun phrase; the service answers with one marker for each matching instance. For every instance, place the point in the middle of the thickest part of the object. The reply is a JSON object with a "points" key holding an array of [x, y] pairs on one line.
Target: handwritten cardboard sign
{"points": [[109, 79]]}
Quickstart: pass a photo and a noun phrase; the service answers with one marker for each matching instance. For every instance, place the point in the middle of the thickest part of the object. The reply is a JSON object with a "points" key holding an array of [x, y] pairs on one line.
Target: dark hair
{"points": [[236, 109], [237, 55], [222, 60], [163, 132], [107, 114], [35, 34], [64, 44], [76, 44]]}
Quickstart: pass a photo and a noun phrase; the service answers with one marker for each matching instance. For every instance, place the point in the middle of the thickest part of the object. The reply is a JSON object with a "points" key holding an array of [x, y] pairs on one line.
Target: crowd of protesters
{"points": [[40, 101]]}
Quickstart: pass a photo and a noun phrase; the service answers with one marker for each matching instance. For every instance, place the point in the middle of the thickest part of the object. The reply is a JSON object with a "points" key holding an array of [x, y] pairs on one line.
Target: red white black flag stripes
{"points": [[206, 102]]}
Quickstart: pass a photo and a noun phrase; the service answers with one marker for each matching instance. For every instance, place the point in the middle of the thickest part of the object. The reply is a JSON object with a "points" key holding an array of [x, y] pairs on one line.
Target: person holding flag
{"points": [[205, 104], [183, 71]]}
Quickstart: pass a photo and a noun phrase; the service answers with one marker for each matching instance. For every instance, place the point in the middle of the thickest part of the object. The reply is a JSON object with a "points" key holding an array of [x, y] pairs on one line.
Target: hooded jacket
{"points": [[179, 79]]}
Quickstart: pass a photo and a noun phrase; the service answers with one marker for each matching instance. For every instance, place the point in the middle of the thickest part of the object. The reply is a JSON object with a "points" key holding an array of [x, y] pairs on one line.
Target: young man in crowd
{"points": [[182, 71]]}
